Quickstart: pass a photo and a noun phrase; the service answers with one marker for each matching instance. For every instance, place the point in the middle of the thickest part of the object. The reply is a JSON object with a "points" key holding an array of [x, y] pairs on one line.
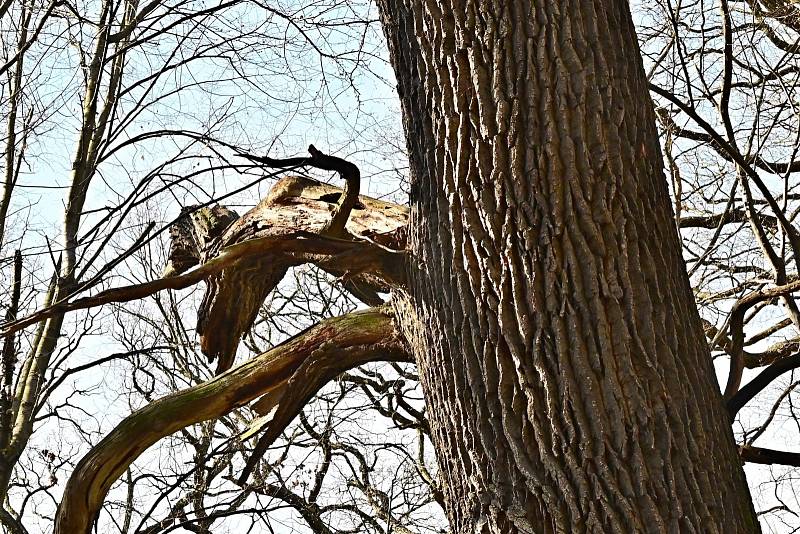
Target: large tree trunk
{"points": [[568, 382]]}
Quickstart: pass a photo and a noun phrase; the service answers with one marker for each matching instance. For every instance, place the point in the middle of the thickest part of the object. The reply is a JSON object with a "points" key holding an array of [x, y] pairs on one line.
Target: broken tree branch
{"points": [[285, 229], [300, 242], [370, 260], [311, 358]]}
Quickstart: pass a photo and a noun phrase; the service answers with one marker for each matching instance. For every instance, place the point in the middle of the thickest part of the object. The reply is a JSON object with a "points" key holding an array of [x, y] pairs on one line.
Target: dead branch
{"points": [[370, 257], [349, 172], [301, 242], [191, 232], [242, 260], [308, 360]]}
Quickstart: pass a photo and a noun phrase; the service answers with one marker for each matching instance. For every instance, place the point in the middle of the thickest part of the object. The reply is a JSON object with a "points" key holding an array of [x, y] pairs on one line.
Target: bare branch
{"points": [[758, 455], [737, 331], [318, 354], [791, 231], [300, 242], [764, 379]]}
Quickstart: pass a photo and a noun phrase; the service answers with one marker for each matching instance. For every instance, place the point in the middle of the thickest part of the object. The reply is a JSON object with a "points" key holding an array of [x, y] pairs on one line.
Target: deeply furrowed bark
{"points": [[568, 383]]}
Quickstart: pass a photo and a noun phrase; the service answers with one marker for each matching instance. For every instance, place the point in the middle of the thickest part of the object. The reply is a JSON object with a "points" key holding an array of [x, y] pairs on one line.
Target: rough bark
{"points": [[192, 233], [568, 383]]}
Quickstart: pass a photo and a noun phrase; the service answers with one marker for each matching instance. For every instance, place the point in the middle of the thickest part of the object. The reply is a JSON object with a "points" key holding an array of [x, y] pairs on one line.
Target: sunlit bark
{"points": [[567, 379]]}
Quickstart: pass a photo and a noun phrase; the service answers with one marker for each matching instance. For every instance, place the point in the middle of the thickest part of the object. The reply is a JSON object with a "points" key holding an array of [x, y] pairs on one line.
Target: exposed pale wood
{"points": [[243, 259], [294, 204]]}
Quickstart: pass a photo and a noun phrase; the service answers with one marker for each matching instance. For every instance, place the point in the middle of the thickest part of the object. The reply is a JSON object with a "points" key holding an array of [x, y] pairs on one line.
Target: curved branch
{"points": [[295, 393], [385, 262], [737, 331], [318, 354], [349, 172], [764, 378]]}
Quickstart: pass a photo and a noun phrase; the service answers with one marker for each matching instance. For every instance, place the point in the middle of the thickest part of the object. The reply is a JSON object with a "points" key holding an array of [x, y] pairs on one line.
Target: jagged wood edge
{"points": [[348, 171]]}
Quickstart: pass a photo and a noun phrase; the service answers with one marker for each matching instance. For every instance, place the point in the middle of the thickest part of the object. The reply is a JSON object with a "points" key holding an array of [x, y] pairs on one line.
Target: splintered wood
{"points": [[368, 262]]}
